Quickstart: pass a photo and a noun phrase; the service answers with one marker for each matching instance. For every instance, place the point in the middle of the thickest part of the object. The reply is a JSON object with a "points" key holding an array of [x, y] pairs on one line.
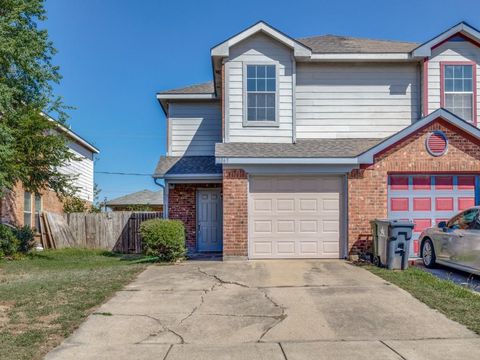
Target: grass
{"points": [[454, 301], [46, 295]]}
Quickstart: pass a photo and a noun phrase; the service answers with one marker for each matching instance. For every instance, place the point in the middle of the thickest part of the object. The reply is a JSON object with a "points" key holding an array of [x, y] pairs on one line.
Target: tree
{"points": [[32, 149]]}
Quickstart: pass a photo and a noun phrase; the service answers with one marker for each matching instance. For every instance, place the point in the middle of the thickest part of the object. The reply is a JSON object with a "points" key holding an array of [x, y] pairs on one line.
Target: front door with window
{"points": [[209, 220]]}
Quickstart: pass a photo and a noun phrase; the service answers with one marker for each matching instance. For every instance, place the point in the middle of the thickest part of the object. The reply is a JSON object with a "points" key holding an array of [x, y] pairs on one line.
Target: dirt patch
{"points": [[5, 307]]}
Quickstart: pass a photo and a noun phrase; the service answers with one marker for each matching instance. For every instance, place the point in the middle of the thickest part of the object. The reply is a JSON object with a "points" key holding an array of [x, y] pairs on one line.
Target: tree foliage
{"points": [[32, 149]]}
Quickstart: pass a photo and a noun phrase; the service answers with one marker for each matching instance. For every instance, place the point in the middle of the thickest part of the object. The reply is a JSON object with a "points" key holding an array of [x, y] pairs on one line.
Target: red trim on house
{"points": [[463, 36], [474, 84], [425, 87], [441, 121]]}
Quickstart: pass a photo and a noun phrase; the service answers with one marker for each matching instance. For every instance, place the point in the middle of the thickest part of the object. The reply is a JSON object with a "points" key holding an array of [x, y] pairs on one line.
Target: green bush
{"points": [[8, 241], [163, 238], [26, 239]]}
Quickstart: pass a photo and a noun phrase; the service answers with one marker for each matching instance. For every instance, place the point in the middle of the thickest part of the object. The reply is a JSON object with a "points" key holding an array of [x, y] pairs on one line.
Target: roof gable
{"points": [[368, 156], [299, 49], [464, 29]]}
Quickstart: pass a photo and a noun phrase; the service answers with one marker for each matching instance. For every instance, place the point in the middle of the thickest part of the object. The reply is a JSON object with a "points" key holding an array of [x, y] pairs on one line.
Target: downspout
{"points": [[294, 100], [165, 196]]}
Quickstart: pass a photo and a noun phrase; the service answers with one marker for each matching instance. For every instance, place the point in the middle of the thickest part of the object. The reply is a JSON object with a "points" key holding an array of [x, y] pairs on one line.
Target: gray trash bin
{"points": [[391, 246]]}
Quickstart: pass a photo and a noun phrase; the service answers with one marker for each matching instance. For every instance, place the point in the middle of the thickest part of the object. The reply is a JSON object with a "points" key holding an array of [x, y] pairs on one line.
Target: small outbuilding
{"points": [[144, 200]]}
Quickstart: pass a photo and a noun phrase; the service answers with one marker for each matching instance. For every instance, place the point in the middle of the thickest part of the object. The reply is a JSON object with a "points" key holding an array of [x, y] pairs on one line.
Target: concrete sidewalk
{"points": [[266, 310]]}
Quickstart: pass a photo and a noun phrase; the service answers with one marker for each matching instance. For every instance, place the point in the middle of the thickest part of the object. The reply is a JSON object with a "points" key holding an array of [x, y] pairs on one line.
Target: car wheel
{"points": [[428, 253]]}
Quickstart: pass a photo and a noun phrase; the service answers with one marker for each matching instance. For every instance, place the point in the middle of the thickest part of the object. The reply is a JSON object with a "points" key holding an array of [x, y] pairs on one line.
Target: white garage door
{"points": [[295, 216]]}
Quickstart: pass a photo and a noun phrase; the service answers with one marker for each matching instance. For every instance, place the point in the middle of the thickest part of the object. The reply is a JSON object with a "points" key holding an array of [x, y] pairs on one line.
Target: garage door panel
{"points": [[427, 199], [303, 215]]}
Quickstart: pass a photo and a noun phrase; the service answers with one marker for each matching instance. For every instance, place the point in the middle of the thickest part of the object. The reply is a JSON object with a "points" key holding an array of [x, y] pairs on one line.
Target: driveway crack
{"points": [[164, 328], [280, 318], [220, 280]]}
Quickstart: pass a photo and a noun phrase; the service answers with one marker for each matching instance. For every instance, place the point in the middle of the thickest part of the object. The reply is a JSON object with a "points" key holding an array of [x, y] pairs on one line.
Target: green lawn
{"points": [[456, 302], [45, 296]]}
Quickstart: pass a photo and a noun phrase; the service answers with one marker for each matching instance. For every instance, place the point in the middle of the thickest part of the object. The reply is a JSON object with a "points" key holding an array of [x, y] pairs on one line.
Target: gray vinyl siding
{"points": [[355, 100], [259, 49], [450, 51], [194, 128]]}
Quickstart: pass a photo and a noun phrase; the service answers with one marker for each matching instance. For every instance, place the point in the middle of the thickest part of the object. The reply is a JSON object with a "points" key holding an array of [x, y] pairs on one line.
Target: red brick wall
{"points": [[235, 213], [182, 205], [367, 188], [13, 201]]}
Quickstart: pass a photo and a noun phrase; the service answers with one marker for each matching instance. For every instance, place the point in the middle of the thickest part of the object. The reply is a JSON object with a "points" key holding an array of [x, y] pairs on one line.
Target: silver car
{"points": [[454, 243]]}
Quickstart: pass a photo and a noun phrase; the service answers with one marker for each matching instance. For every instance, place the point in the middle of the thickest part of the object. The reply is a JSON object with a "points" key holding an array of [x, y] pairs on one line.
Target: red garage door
{"points": [[429, 199]]}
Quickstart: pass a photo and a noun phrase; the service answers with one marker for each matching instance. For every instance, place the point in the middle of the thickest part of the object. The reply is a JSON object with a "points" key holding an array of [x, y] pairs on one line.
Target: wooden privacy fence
{"points": [[117, 231]]}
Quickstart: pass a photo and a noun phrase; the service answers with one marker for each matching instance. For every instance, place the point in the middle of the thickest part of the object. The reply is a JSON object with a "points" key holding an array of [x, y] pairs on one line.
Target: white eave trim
{"points": [[425, 50], [286, 161], [363, 56], [72, 135], [185, 96], [368, 156], [223, 49]]}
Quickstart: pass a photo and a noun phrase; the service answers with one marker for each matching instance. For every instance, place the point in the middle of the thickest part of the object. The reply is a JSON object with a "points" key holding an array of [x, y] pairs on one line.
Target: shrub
{"points": [[74, 204], [26, 239], [163, 238], [8, 241]]}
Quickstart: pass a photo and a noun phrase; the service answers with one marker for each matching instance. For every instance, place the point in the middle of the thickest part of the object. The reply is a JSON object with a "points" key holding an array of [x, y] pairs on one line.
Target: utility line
{"points": [[121, 173]]}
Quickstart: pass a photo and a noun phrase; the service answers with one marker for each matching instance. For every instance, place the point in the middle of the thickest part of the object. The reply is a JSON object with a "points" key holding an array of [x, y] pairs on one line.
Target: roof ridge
{"points": [[355, 38]]}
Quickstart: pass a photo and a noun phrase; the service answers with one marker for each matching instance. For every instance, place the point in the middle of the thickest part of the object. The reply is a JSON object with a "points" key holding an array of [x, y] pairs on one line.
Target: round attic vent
{"points": [[437, 143]]}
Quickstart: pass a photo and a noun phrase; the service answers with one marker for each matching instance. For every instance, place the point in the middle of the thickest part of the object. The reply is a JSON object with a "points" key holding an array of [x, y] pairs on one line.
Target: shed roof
{"points": [[187, 165], [304, 148]]}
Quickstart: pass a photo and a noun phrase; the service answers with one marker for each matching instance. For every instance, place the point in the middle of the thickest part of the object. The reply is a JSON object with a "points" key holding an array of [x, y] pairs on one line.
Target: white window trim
{"points": [[471, 93], [260, 123]]}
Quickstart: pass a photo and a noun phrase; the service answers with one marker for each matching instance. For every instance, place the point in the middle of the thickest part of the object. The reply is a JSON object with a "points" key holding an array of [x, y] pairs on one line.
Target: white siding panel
{"points": [[195, 127], [82, 170], [259, 48], [355, 100], [450, 51]]}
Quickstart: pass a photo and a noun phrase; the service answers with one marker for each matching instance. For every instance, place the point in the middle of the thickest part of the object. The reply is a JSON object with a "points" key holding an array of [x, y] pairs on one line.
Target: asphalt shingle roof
{"points": [[176, 165], [314, 148], [203, 88], [143, 197], [346, 44]]}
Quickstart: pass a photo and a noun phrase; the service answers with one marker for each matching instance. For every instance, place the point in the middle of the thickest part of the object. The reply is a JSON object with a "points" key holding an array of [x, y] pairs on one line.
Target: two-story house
{"points": [[297, 144], [20, 207]]}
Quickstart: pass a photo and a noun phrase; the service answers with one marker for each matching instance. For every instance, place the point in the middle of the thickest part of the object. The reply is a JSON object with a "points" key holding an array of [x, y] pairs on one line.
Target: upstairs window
{"points": [[261, 93], [458, 90]]}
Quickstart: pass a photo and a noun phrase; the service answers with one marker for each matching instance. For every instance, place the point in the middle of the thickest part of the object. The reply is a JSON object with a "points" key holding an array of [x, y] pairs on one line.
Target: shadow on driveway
{"points": [[458, 277]]}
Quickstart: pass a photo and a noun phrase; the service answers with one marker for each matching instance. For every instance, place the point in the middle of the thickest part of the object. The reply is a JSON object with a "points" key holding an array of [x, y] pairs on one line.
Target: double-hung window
{"points": [[458, 90], [27, 208], [261, 93]]}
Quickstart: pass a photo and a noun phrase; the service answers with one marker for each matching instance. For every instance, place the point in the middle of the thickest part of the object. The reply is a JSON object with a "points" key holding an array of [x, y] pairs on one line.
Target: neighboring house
{"points": [[20, 207], [297, 144], [145, 199]]}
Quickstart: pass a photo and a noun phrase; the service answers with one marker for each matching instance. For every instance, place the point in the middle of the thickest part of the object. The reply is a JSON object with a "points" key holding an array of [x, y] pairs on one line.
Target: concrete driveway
{"points": [[266, 310]]}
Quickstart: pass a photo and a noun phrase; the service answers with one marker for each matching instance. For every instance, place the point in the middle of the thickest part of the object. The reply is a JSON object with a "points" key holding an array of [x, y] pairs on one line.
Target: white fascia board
{"points": [[425, 50], [72, 135], [367, 157], [223, 49], [266, 161], [185, 96], [364, 56]]}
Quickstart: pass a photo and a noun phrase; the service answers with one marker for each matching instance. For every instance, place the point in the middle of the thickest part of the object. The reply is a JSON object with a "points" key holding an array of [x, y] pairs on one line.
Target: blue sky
{"points": [[116, 54]]}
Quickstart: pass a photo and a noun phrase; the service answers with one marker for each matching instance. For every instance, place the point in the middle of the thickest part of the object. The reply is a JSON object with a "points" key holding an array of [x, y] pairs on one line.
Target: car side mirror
{"points": [[443, 225]]}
